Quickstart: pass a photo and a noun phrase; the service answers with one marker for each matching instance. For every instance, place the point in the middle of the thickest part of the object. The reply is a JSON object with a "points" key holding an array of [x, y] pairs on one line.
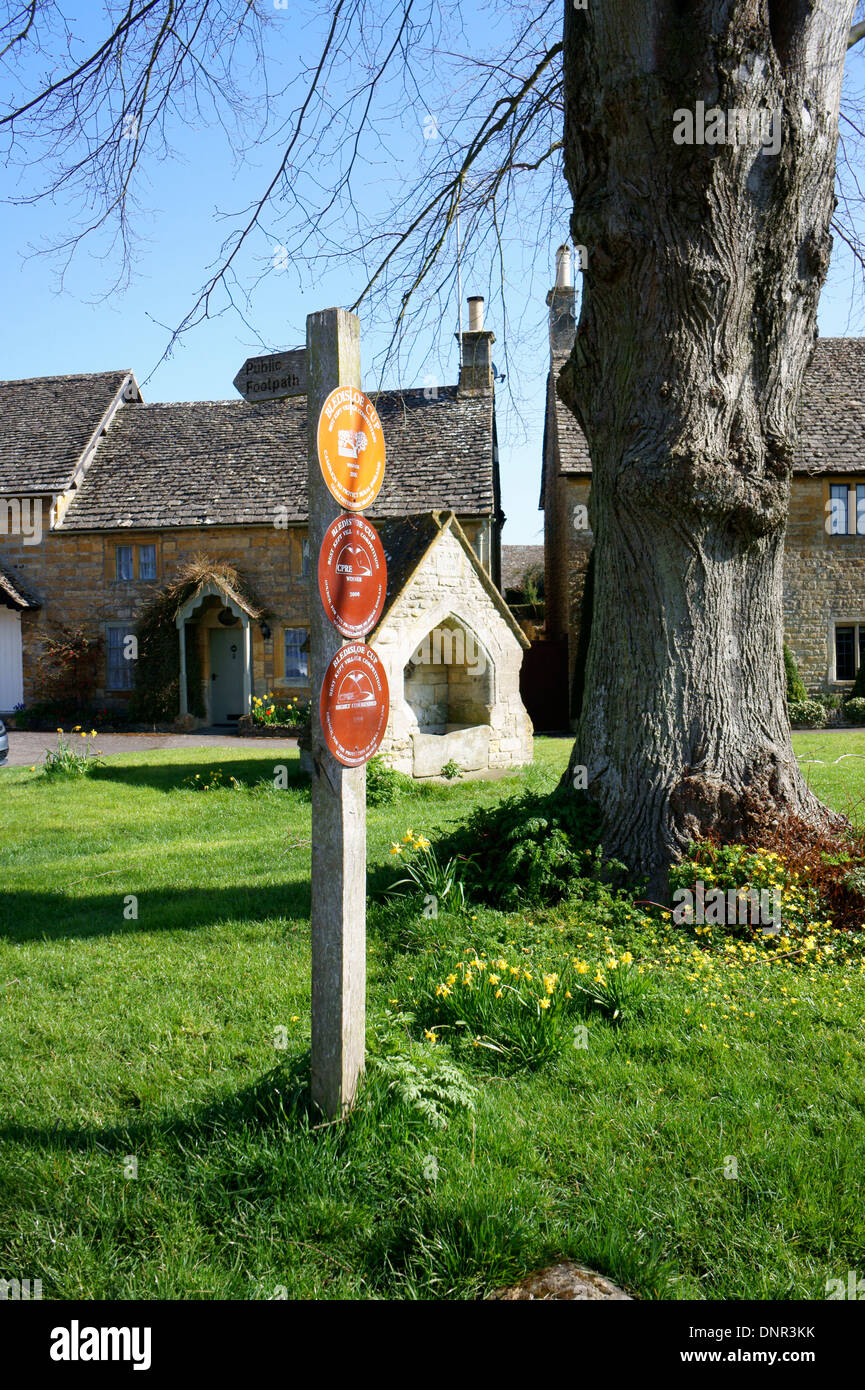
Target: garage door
{"points": [[11, 682]]}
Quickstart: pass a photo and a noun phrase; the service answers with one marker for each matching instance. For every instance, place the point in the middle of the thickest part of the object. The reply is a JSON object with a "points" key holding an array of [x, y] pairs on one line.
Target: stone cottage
{"points": [[105, 500], [824, 556]]}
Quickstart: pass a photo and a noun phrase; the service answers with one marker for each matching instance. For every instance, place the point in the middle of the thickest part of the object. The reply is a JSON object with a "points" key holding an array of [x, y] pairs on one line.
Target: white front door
{"points": [[11, 678], [226, 675]]}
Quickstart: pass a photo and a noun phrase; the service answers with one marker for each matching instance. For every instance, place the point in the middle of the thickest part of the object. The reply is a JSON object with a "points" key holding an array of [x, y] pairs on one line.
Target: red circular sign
{"points": [[354, 704], [352, 575]]}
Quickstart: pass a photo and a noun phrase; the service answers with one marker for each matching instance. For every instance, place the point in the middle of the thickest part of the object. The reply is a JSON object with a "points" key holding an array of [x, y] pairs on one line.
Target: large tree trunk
{"points": [[705, 264]]}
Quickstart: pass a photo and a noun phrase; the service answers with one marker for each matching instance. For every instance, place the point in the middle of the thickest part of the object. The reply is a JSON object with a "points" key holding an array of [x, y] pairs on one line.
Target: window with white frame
{"points": [[120, 675], [849, 650], [296, 657]]}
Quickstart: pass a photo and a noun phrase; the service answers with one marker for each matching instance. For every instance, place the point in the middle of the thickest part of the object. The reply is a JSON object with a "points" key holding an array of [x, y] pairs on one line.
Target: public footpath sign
{"points": [[351, 448], [274, 377], [354, 704], [352, 576]]}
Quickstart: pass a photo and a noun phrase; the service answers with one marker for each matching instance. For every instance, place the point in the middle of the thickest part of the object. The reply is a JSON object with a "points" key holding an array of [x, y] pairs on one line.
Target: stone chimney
{"points": [[476, 372], [561, 300]]}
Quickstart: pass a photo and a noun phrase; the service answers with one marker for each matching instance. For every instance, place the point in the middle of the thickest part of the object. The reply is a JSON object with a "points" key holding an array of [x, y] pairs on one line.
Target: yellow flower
{"points": [[33, 769], [83, 735], [421, 843], [92, 733], [77, 729], [395, 848], [60, 731], [498, 994], [408, 837], [442, 991], [494, 979], [550, 982], [451, 979], [430, 1036], [543, 1003], [627, 958], [581, 967]]}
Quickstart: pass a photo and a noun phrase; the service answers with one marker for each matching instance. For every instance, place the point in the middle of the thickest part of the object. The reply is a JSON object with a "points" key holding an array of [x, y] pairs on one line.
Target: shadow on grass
{"points": [[51, 916], [283, 1093], [170, 777]]}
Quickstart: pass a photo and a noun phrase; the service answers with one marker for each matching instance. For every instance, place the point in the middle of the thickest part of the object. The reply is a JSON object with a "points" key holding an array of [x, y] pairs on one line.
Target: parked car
{"points": [[4, 744]]}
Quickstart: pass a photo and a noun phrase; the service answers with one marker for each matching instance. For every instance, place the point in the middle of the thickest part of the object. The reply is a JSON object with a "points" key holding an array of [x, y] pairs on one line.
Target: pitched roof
{"points": [[229, 463], [13, 594], [567, 439], [832, 419], [516, 560], [46, 424], [406, 540]]}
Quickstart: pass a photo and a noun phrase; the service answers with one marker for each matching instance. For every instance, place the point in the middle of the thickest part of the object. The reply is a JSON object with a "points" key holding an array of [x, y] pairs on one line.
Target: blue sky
{"points": [[82, 327]]}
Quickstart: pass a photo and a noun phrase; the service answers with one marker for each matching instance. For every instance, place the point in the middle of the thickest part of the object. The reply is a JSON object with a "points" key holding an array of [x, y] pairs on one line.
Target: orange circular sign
{"points": [[352, 575], [351, 448], [354, 704]]}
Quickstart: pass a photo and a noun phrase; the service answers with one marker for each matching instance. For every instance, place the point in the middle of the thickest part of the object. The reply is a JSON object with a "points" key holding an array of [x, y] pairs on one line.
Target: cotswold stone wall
{"points": [[445, 593], [73, 574], [824, 583]]}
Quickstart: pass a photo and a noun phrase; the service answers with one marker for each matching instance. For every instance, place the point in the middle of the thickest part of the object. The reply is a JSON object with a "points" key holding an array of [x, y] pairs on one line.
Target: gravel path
{"points": [[26, 748]]}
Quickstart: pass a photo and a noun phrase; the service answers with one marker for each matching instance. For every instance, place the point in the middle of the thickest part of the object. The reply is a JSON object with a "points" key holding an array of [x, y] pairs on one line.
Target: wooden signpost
{"points": [[273, 377], [346, 467]]}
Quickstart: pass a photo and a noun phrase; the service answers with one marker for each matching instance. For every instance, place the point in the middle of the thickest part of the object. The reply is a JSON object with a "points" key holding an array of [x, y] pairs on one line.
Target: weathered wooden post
{"points": [[338, 792]]}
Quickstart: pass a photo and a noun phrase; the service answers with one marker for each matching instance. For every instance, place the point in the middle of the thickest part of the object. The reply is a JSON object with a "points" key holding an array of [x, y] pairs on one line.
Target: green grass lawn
{"points": [[156, 1136]]}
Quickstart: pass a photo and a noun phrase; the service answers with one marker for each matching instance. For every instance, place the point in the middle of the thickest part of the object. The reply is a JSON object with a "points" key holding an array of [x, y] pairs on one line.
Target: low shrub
{"points": [[383, 785], [529, 849], [854, 711], [807, 714], [796, 691]]}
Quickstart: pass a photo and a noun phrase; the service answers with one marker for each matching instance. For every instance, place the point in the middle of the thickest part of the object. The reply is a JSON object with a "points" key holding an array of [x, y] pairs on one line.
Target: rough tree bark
{"points": [[698, 320]]}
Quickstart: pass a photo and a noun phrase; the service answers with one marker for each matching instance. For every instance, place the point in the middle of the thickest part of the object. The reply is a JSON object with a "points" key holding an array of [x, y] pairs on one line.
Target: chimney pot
{"points": [[564, 269], [476, 313]]}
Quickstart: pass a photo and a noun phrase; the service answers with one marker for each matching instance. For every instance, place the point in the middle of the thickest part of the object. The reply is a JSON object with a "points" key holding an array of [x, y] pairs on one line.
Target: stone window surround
{"points": [[834, 623], [853, 518], [135, 544]]}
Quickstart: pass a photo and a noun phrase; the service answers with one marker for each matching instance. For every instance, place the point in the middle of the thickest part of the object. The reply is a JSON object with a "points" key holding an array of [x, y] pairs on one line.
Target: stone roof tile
{"points": [[832, 420], [227, 463], [46, 424]]}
